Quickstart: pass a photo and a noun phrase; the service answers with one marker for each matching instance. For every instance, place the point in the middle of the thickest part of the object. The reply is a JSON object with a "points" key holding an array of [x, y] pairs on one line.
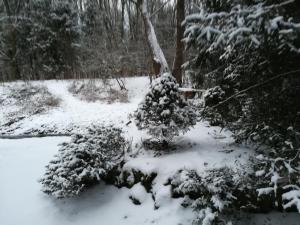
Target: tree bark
{"points": [[178, 61], [159, 61]]}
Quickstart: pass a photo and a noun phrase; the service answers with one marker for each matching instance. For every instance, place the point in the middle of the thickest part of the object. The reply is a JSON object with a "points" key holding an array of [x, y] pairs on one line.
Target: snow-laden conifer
{"points": [[163, 112], [83, 161]]}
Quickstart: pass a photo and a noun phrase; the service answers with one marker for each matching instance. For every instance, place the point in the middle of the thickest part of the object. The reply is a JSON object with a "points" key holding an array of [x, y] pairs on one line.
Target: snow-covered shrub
{"points": [[26, 99], [84, 161], [92, 91], [213, 96], [278, 170], [216, 185], [33, 98], [211, 192], [187, 183], [164, 113]]}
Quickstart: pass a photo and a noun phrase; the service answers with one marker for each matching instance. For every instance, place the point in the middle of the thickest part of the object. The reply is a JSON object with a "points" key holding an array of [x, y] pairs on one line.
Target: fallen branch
{"points": [[32, 136]]}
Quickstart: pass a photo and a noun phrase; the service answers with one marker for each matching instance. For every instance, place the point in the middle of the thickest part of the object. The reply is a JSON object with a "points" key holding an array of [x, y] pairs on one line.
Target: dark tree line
{"points": [[47, 39], [39, 39]]}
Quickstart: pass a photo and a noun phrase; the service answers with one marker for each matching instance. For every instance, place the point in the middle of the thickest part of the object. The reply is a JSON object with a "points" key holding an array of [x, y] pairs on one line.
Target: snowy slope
{"points": [[21, 201], [22, 163], [75, 112]]}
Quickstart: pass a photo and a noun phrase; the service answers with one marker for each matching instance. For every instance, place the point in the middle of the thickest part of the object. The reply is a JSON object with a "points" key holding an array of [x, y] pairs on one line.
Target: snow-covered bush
{"points": [[212, 193], [84, 161], [278, 170], [92, 91], [33, 98], [164, 113], [26, 99], [213, 96]]}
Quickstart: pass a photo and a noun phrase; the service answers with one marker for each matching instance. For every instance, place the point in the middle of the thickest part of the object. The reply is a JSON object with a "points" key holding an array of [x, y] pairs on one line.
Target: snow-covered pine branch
{"points": [[242, 25]]}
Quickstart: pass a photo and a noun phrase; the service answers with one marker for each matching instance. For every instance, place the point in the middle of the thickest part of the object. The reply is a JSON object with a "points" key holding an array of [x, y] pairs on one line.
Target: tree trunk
{"points": [[159, 61], [7, 8], [122, 19], [178, 61]]}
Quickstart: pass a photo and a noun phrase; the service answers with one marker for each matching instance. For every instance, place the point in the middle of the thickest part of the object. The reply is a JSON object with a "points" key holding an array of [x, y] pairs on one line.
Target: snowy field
{"points": [[22, 163], [22, 203], [75, 112]]}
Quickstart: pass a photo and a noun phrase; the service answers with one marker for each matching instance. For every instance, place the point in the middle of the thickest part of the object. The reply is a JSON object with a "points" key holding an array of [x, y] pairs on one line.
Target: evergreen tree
{"points": [[84, 161], [164, 113], [40, 40], [240, 51]]}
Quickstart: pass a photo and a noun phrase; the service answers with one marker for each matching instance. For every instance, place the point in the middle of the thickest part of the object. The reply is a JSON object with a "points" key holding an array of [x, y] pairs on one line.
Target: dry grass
{"points": [[92, 91]]}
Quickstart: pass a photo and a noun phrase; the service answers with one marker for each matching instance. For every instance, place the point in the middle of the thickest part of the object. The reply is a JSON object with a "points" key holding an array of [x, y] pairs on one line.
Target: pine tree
{"points": [[39, 40], [164, 113], [241, 46], [84, 161]]}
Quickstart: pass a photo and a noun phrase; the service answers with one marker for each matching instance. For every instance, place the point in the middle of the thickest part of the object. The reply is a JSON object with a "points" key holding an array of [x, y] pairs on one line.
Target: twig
{"points": [[156, 11]]}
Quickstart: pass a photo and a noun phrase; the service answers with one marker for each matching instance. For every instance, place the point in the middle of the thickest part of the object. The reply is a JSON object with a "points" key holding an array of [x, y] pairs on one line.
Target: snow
{"points": [[162, 194], [22, 164], [138, 192], [265, 191], [75, 112], [197, 150], [260, 173]]}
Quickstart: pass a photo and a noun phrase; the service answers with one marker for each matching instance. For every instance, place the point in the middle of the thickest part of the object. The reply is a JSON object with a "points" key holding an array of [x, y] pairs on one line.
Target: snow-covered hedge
{"points": [[84, 161], [92, 91], [29, 99], [164, 113], [212, 193]]}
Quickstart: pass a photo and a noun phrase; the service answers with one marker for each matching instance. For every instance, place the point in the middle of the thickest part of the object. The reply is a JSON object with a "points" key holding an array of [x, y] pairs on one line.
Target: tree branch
{"points": [[162, 6], [255, 86], [6, 4]]}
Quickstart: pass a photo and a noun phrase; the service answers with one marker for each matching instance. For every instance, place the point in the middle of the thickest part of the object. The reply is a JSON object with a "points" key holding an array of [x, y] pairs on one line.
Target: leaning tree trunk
{"points": [[178, 61], [159, 61]]}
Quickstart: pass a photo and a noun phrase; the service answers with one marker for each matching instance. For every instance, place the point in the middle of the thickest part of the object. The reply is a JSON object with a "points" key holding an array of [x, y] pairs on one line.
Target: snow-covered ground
{"points": [[75, 112], [22, 203], [22, 163]]}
